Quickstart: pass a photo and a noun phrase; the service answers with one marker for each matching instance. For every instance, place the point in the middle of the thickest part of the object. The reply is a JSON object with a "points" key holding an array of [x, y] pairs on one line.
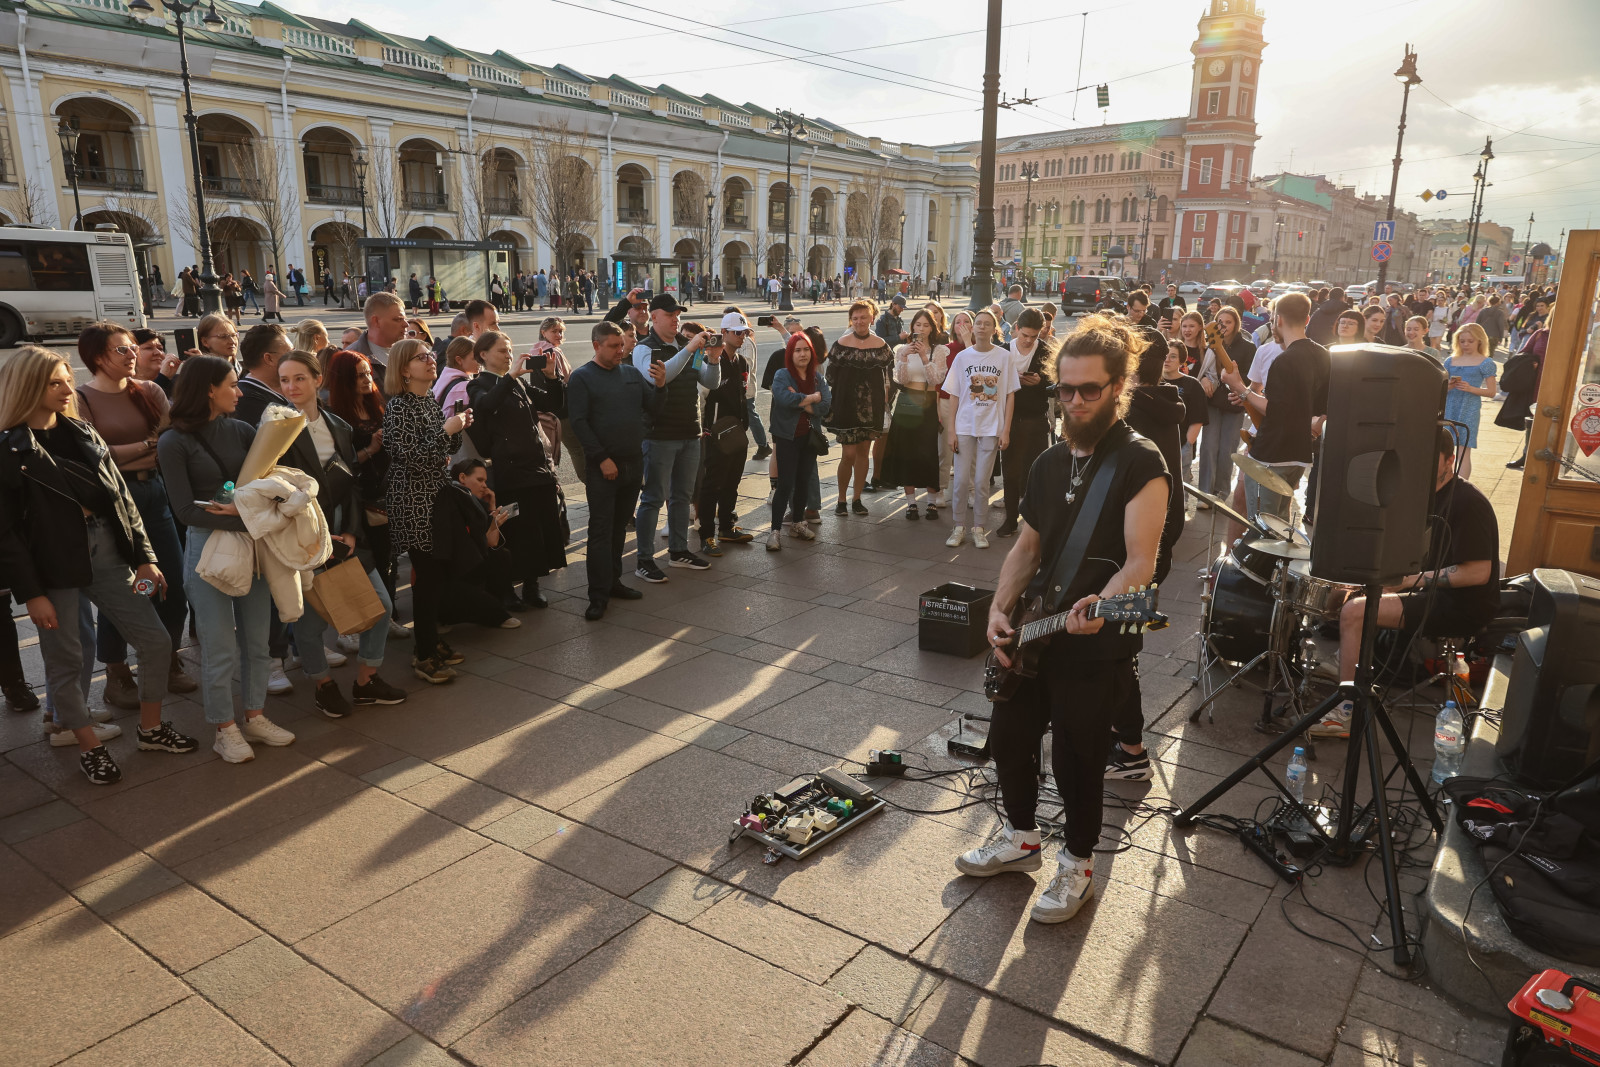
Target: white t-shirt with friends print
{"points": [[980, 383]]}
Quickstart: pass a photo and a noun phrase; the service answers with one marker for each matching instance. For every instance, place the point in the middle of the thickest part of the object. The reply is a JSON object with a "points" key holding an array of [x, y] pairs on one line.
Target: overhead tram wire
{"points": [[1509, 131], [797, 59], [741, 22]]}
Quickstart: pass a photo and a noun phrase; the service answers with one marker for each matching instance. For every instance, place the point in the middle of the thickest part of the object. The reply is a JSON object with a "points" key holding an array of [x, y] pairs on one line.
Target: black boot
{"points": [[531, 597]]}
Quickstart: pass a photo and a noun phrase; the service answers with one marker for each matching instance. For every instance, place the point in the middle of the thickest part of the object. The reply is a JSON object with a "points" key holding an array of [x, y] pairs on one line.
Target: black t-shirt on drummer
{"points": [[1465, 530], [1045, 508], [1296, 391]]}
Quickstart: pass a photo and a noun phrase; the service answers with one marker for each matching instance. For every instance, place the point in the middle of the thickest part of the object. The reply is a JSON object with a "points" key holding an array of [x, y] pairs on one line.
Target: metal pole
{"points": [[1527, 246], [786, 302], [72, 175], [210, 295], [1407, 72], [982, 284]]}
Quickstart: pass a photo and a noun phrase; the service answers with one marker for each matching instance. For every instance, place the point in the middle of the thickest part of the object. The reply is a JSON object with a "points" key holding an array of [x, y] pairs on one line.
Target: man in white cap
{"points": [[726, 418]]}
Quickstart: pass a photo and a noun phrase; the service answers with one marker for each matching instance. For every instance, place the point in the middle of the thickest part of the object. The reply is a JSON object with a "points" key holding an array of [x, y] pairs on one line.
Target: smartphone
{"points": [[512, 509], [458, 407], [183, 339], [206, 504], [714, 340], [537, 361], [767, 320]]}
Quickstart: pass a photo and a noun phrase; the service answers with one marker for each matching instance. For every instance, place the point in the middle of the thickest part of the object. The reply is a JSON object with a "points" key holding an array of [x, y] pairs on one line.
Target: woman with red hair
{"points": [[800, 399], [354, 395]]}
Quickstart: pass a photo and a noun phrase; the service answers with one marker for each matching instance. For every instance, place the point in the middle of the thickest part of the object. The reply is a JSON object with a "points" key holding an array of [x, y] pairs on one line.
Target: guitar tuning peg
{"points": [[1123, 628]]}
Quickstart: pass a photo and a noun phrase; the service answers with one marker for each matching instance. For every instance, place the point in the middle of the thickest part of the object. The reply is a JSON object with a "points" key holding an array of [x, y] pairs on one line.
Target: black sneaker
{"points": [[687, 559], [99, 767], [595, 611], [738, 536], [432, 670], [625, 592], [513, 603], [20, 696], [649, 572], [330, 701], [858, 507], [842, 509], [449, 656], [1122, 765], [1007, 528], [376, 691], [911, 513], [710, 546], [165, 739], [762, 453]]}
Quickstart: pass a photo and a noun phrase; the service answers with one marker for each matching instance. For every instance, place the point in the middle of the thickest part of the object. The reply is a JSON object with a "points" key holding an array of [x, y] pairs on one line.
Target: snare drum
{"points": [[1315, 596]]}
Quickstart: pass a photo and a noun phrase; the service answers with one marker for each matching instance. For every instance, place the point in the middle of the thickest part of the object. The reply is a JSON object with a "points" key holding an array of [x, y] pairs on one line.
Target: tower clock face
{"points": [[1248, 67], [1217, 67]]}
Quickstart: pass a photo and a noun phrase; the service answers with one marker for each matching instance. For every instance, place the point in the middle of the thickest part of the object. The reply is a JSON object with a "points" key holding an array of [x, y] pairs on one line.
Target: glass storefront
{"points": [[462, 268]]}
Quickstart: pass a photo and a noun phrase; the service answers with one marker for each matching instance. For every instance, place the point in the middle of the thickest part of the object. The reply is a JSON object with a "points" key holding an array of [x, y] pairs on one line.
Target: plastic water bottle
{"points": [[1295, 776], [1449, 742], [225, 494]]}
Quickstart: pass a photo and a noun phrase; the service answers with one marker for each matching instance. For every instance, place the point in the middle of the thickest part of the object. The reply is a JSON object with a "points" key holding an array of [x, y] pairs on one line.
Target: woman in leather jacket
{"points": [[70, 529]]}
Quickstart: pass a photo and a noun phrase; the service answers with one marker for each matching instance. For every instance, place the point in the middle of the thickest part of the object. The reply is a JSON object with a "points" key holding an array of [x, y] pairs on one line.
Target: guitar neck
{"points": [[1051, 625], [1225, 362]]}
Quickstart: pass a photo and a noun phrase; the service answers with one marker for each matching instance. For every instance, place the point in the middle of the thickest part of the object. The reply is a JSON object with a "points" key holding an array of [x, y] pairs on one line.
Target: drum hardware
{"points": [[1262, 474]]}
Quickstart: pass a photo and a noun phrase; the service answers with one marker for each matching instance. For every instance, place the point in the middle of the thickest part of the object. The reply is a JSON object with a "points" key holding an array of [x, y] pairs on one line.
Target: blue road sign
{"points": [[1072, 261], [1440, 194], [1463, 261], [1382, 251], [1383, 231]]}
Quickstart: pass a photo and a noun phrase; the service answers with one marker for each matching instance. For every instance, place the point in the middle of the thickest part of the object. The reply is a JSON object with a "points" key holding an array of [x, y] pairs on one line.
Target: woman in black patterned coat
{"points": [[420, 442]]}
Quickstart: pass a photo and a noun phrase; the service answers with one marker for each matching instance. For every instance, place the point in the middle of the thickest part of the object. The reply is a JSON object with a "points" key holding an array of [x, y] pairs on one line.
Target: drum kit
{"points": [[1260, 602]]}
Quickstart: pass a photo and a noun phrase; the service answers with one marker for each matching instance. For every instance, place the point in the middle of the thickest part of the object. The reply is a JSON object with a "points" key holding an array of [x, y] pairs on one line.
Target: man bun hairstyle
{"points": [[1107, 337]]}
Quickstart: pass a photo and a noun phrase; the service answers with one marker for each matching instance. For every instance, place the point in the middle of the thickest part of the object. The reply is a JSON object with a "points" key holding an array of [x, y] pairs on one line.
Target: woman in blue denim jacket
{"points": [[800, 398]]}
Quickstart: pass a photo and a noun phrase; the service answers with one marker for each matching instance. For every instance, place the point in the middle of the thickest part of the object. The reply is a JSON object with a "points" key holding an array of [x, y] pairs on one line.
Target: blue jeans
{"points": [[111, 588], [86, 672], [758, 431], [669, 473], [150, 497], [233, 634], [1219, 440], [308, 631], [1259, 501]]}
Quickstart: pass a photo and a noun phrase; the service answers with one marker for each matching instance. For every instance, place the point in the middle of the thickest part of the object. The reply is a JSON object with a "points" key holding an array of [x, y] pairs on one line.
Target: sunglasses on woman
{"points": [[1089, 391]]}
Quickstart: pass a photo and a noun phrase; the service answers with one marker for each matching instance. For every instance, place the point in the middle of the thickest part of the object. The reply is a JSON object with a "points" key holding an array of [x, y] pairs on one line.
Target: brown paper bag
{"points": [[344, 597]]}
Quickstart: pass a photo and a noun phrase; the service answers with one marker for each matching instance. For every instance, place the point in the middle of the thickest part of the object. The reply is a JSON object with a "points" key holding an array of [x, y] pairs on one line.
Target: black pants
{"points": [[1030, 435], [719, 488], [1128, 725], [427, 587], [795, 464], [10, 650], [477, 596], [611, 502], [1076, 700]]}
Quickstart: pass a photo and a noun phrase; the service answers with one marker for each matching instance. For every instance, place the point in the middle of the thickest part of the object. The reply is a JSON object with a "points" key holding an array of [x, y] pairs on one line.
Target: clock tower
{"points": [[1219, 139]]}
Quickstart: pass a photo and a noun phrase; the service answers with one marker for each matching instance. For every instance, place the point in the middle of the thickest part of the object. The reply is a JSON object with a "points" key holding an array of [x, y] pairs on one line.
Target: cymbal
{"points": [[1281, 528], [1282, 549], [1262, 474], [1218, 503]]}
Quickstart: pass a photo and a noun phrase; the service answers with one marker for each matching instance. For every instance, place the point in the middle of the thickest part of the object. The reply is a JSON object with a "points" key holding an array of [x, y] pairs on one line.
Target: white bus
{"points": [[53, 283]]}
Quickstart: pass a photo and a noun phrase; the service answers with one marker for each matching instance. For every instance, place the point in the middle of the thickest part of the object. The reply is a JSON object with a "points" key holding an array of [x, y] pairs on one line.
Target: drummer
{"points": [[1296, 392], [1455, 595]]}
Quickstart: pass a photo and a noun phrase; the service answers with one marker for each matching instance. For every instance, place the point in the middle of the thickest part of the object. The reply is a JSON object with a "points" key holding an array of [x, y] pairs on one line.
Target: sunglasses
{"points": [[1090, 392], [125, 350]]}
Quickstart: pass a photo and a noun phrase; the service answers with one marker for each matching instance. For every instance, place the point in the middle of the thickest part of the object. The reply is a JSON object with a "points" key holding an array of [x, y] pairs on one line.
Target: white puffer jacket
{"points": [[290, 535]]}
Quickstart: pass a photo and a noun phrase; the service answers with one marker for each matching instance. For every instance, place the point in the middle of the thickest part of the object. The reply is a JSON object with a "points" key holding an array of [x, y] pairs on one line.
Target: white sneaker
{"points": [[262, 729], [802, 531], [511, 623], [1334, 724], [231, 745], [335, 657], [101, 714], [957, 535], [979, 538], [1067, 891], [349, 644], [774, 541], [277, 682], [1010, 850], [61, 737]]}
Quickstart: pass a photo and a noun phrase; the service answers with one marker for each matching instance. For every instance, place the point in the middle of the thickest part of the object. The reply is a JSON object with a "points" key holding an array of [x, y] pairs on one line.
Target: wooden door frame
{"points": [[1542, 492]]}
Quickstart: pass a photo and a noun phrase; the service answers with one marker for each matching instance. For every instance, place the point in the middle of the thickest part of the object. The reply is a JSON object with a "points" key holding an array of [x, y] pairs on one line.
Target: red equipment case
{"points": [[1558, 1023]]}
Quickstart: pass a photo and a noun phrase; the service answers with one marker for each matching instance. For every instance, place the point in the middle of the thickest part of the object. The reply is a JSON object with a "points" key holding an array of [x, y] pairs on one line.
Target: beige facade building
{"points": [[315, 133]]}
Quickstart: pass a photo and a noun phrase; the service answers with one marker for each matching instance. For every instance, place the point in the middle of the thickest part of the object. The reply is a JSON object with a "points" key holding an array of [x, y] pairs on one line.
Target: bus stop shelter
{"points": [[463, 268]]}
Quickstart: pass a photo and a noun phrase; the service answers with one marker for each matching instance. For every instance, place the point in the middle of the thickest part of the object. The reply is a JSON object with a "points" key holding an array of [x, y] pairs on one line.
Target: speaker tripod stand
{"points": [[1368, 717]]}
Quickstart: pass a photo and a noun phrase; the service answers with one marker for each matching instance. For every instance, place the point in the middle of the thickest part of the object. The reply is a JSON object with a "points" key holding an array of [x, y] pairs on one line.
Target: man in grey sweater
{"points": [[609, 401]]}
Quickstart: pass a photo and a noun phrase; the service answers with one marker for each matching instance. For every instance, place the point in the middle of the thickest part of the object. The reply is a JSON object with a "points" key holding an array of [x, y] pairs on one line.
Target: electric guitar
{"points": [[1225, 362], [1133, 611]]}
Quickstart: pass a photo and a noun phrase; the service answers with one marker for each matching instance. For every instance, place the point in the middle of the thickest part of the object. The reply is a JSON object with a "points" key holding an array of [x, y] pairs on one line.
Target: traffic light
{"points": [[1102, 95], [1508, 266], [1483, 263]]}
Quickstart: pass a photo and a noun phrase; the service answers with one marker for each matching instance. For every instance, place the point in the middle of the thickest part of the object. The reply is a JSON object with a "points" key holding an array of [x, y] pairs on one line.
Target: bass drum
{"points": [[1239, 612]]}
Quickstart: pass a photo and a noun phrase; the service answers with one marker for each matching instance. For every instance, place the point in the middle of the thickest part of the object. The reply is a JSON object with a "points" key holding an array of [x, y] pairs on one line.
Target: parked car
{"points": [[1188, 289], [1085, 292], [1261, 286], [1219, 292]]}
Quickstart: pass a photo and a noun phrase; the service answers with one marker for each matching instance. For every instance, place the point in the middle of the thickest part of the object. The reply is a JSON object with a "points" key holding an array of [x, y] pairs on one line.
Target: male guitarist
{"points": [[1097, 537]]}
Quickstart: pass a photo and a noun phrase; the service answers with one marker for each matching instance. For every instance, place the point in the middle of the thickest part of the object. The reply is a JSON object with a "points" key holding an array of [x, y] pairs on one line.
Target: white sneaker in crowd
{"points": [[774, 541], [1010, 850], [262, 729], [349, 644], [278, 682], [802, 531], [61, 737], [1067, 892], [957, 535], [231, 745], [980, 539]]}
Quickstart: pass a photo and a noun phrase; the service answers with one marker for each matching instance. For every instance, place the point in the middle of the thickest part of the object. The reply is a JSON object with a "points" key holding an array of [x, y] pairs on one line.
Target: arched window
{"points": [[1161, 210]]}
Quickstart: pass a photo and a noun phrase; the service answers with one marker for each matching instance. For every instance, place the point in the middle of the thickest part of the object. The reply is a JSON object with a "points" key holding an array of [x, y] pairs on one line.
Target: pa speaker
{"points": [[1379, 459], [1550, 725]]}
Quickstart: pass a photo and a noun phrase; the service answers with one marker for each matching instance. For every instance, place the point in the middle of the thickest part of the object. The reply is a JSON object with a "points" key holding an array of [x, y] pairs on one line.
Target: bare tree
{"points": [[391, 210], [876, 229], [563, 193], [268, 186], [187, 225], [345, 239], [29, 203]]}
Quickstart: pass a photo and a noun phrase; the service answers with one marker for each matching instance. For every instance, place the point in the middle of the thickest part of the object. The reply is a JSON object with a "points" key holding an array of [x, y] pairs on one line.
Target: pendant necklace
{"points": [[1077, 478]]}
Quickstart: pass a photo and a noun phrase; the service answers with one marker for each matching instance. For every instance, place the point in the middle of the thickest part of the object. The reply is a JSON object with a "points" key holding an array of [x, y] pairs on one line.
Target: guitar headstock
{"points": [[1213, 333], [1135, 610]]}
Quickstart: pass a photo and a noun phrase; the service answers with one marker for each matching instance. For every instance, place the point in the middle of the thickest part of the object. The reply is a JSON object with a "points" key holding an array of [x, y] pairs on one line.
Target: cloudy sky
{"points": [[1519, 72]]}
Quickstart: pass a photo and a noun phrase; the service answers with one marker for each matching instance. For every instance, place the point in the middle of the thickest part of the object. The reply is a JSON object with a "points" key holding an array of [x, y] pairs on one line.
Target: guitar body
{"points": [[999, 681]]}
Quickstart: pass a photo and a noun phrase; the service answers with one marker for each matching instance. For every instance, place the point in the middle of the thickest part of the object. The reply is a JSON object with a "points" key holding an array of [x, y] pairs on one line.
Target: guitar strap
{"points": [[1055, 581]]}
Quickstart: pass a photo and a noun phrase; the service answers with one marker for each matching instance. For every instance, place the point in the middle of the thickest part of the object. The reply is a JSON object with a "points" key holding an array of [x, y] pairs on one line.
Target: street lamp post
{"points": [[982, 285], [1480, 190], [900, 250], [1277, 245], [359, 164], [705, 253], [1527, 246], [68, 132], [210, 295], [1030, 174], [1408, 76], [1144, 241], [790, 124]]}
